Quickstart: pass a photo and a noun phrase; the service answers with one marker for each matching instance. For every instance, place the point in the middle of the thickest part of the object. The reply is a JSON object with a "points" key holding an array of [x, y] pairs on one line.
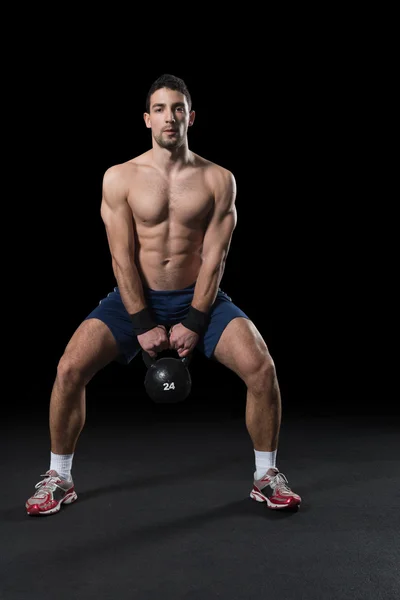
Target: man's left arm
{"points": [[216, 246], [216, 243], [215, 250]]}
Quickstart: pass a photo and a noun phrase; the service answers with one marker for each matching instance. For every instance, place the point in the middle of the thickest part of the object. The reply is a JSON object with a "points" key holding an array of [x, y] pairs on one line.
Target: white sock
{"points": [[264, 461], [62, 463]]}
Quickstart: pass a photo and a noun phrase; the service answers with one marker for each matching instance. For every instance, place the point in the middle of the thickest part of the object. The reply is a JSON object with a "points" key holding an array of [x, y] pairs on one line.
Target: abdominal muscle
{"points": [[168, 257]]}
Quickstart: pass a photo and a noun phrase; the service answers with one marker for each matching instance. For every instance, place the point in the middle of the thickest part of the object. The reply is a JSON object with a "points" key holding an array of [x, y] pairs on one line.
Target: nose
{"points": [[170, 117]]}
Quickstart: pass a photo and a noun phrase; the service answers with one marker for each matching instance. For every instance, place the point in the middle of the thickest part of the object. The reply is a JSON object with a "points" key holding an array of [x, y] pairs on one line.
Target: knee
{"points": [[262, 375], [69, 372]]}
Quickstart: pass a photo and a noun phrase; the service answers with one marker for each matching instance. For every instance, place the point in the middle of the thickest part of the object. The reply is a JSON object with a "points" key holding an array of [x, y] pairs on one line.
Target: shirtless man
{"points": [[169, 215]]}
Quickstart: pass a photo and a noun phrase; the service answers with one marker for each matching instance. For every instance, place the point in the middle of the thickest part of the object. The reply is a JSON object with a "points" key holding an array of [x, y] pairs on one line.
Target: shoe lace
{"points": [[280, 483], [49, 482]]}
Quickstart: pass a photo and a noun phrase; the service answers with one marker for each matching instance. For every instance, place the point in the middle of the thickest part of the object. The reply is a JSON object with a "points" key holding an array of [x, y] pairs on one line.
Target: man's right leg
{"points": [[91, 348]]}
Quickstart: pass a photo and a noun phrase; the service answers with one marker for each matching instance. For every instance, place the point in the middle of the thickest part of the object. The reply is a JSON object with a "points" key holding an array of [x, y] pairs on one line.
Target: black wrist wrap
{"points": [[196, 320], [142, 321]]}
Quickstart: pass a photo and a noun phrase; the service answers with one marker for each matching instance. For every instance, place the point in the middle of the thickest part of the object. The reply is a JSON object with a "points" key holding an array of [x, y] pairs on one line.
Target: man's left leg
{"points": [[242, 349]]}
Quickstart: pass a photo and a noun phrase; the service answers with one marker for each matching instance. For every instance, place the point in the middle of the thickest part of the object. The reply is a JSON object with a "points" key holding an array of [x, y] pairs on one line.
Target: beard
{"points": [[168, 143]]}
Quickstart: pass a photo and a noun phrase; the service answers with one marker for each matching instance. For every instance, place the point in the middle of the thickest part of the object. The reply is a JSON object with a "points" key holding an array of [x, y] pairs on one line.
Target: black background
{"points": [[298, 103], [283, 116]]}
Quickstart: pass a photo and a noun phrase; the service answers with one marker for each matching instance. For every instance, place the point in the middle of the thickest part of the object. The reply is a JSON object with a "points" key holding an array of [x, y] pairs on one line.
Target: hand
{"points": [[154, 341], [182, 340]]}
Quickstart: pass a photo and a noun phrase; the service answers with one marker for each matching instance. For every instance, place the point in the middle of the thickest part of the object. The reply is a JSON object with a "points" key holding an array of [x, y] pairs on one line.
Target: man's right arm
{"points": [[118, 221]]}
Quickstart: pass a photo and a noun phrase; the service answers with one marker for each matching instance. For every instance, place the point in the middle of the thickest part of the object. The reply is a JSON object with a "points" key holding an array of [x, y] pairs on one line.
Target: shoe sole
{"points": [[258, 497], [68, 499]]}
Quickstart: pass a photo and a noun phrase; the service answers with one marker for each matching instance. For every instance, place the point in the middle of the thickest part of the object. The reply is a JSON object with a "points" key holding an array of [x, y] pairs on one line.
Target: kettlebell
{"points": [[167, 378]]}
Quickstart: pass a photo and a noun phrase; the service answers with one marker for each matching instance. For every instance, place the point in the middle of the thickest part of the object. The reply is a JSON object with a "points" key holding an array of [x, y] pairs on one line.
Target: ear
{"points": [[192, 116], [146, 118]]}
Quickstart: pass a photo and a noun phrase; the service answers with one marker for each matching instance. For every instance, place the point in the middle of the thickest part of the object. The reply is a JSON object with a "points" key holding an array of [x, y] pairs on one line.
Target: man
{"points": [[169, 216]]}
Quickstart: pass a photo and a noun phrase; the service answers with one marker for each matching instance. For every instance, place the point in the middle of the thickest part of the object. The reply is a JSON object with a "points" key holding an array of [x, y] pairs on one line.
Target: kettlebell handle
{"points": [[148, 360]]}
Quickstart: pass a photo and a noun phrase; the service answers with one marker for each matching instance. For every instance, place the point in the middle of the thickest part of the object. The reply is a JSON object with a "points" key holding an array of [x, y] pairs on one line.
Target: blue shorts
{"points": [[168, 308]]}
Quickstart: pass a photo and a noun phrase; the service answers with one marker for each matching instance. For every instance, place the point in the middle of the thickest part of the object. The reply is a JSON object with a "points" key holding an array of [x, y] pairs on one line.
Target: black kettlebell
{"points": [[167, 378]]}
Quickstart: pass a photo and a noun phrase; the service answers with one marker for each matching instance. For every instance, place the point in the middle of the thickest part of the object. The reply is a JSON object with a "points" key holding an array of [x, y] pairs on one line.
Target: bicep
{"points": [[222, 223], [118, 221], [219, 233]]}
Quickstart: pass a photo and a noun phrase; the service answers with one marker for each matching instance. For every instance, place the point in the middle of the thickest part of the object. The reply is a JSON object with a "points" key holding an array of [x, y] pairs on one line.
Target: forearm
{"points": [[207, 286], [205, 292], [130, 286]]}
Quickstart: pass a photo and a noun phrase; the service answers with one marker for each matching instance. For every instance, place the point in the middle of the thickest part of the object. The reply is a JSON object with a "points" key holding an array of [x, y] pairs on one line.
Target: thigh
{"points": [[90, 348], [223, 311], [112, 313], [242, 348]]}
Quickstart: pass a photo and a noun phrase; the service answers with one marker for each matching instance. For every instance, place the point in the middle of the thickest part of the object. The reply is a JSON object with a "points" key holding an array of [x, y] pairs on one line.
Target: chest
{"points": [[186, 199]]}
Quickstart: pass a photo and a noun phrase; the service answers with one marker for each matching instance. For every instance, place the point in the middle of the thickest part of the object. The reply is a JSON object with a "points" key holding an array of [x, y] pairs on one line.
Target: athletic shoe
{"points": [[273, 489], [52, 491]]}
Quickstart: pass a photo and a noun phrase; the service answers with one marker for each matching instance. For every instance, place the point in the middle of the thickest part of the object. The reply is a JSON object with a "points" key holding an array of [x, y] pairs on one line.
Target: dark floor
{"points": [[163, 511]]}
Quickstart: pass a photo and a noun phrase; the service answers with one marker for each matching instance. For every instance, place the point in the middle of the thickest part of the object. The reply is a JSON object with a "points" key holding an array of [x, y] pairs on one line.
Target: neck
{"points": [[171, 159]]}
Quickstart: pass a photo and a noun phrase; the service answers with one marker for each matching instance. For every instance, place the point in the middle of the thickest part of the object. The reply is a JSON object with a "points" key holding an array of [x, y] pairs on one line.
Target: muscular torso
{"points": [[170, 215]]}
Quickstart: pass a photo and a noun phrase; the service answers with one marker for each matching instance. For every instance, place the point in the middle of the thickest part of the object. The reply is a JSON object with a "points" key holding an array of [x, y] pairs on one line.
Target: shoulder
{"points": [[120, 179], [217, 176], [221, 183], [120, 173]]}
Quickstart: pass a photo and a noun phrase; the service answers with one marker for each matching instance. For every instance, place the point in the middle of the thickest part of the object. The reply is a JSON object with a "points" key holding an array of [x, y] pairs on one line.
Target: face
{"points": [[169, 118]]}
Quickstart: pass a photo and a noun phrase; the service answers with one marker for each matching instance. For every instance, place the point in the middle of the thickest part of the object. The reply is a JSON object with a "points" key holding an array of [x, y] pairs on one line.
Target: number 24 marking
{"points": [[168, 386]]}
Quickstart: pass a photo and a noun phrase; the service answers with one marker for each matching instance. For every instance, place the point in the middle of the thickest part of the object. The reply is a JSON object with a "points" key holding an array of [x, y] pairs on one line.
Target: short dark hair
{"points": [[172, 83]]}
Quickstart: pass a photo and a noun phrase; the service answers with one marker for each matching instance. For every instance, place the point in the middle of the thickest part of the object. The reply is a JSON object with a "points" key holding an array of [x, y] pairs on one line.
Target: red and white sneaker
{"points": [[273, 489], [52, 491]]}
